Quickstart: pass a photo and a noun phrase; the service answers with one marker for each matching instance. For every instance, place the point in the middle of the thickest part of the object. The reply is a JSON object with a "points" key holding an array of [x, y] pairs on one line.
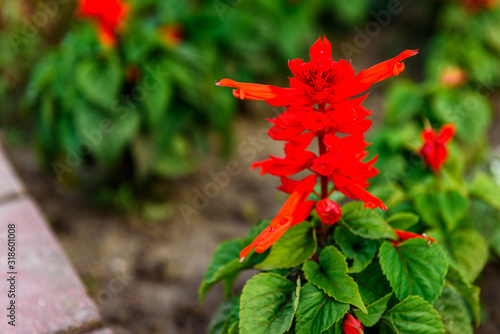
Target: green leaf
{"points": [[414, 267], [427, 207], [467, 249], [351, 12], [330, 275], [375, 311], [225, 264], [372, 283], [414, 315], [454, 312], [403, 220], [366, 223], [99, 82], [453, 207], [156, 100], [469, 111], [486, 189], [297, 245], [403, 101], [225, 316], [317, 312], [361, 250], [234, 328], [335, 329], [268, 304], [469, 292]]}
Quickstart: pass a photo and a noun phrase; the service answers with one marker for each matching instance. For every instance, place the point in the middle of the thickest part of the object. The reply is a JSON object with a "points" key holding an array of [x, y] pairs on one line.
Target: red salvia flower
{"points": [[405, 235], [109, 15], [322, 102], [434, 150], [351, 325]]}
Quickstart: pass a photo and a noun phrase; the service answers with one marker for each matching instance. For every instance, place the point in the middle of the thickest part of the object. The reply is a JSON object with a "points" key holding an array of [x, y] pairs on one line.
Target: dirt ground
{"points": [[164, 262]]}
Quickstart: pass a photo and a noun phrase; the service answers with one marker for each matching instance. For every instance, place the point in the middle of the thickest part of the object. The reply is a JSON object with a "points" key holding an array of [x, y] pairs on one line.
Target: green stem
{"points": [[323, 232]]}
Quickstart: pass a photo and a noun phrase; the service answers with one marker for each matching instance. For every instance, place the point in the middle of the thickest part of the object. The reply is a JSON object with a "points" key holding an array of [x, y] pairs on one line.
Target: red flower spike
{"points": [[110, 16], [434, 150], [319, 103], [351, 325], [405, 235], [329, 211]]}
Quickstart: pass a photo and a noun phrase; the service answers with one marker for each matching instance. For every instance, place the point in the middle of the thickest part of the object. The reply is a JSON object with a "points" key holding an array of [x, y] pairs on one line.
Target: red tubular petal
{"points": [[248, 91], [386, 68], [447, 132], [320, 49]]}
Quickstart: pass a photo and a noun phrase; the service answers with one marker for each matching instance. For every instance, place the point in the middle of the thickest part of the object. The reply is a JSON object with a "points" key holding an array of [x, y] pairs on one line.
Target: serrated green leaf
{"points": [[335, 329], [268, 304], [453, 207], [225, 316], [372, 283], [296, 246], [375, 311], [467, 249], [330, 275], [403, 220], [414, 267], [414, 315], [224, 264], [317, 312], [366, 223], [486, 189], [469, 292], [453, 311], [361, 250]]}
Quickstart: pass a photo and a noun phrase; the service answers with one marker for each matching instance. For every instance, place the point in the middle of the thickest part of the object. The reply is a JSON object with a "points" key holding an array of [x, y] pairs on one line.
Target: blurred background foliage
{"points": [[117, 118]]}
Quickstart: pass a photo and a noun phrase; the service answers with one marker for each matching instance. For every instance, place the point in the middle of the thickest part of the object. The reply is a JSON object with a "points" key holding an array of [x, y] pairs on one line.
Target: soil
{"points": [[163, 263]]}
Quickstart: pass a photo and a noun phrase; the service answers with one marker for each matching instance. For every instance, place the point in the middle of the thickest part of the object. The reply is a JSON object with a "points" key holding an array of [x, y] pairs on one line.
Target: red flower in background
{"points": [[434, 150], [352, 325], [476, 5], [172, 34], [321, 102], [110, 16]]}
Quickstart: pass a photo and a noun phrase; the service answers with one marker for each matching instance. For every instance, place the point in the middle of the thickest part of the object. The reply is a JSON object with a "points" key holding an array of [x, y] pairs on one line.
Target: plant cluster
{"points": [[359, 267]]}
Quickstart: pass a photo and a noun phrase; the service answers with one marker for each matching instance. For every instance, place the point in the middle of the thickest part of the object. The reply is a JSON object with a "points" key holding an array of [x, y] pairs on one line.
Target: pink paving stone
{"points": [[49, 295], [9, 183]]}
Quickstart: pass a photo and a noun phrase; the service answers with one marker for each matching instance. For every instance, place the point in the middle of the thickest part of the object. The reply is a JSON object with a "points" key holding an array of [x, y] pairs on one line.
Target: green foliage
{"points": [[413, 315], [414, 267], [465, 248], [268, 304], [365, 223], [330, 275], [317, 311], [300, 238]]}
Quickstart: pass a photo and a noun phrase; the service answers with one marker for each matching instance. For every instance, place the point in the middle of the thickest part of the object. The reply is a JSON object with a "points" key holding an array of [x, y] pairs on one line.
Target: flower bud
{"points": [[352, 325], [328, 211]]}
